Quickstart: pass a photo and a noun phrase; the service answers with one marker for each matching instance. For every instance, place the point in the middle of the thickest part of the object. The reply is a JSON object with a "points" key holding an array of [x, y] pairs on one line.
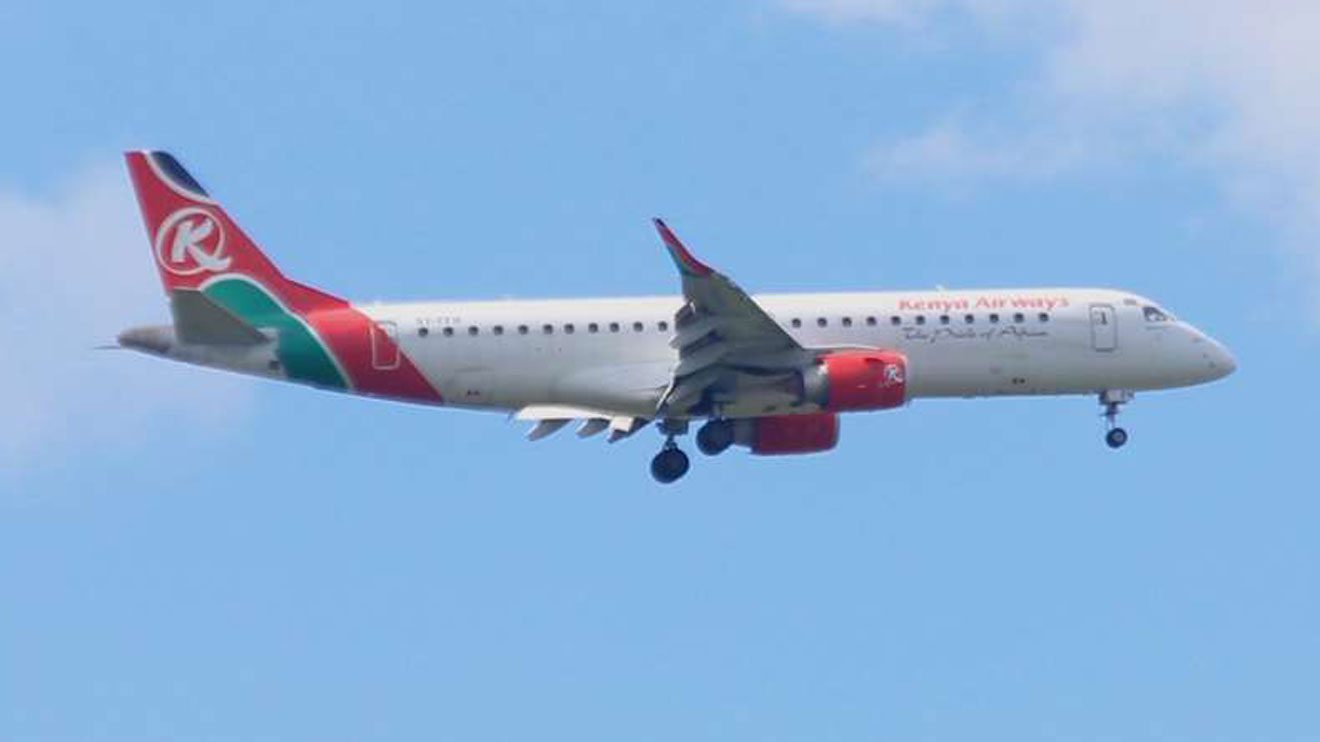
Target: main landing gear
{"points": [[1112, 400], [713, 438], [671, 463]]}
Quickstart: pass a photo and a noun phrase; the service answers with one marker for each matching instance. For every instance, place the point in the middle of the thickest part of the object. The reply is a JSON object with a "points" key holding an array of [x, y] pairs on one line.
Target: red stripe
{"points": [[348, 333]]}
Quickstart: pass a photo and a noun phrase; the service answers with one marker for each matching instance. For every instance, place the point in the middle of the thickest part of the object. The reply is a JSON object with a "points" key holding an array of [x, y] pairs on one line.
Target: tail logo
{"points": [[191, 241]]}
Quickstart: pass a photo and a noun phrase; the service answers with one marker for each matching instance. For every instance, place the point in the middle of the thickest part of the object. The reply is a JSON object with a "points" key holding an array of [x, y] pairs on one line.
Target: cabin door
{"points": [[1104, 327]]}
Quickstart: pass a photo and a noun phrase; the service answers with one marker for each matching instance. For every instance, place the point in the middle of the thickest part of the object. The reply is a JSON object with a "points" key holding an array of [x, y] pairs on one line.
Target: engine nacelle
{"points": [[779, 435], [857, 380]]}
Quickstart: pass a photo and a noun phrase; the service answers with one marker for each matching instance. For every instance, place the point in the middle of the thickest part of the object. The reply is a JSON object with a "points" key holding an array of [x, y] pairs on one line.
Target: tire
{"points": [[1116, 438], [715, 437], [669, 466]]}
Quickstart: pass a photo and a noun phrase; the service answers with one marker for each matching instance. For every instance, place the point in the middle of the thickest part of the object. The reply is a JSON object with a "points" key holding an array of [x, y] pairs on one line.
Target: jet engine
{"points": [[778, 435], [856, 380]]}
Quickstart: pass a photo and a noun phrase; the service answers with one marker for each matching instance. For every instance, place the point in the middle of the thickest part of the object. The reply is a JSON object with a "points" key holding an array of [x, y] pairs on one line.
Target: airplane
{"points": [[771, 373]]}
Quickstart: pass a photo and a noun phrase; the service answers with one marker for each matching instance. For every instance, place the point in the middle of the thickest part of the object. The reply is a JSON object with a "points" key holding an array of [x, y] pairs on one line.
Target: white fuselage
{"points": [[615, 354], [769, 372]]}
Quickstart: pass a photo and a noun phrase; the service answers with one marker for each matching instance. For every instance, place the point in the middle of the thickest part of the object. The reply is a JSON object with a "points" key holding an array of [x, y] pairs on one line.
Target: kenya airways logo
{"points": [[893, 374], [191, 241]]}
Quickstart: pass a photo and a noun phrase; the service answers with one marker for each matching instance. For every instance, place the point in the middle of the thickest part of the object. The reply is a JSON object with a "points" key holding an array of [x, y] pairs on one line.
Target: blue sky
{"points": [[185, 554]]}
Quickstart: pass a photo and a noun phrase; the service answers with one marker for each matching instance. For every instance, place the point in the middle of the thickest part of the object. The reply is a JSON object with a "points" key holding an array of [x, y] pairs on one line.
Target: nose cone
{"points": [[1221, 362]]}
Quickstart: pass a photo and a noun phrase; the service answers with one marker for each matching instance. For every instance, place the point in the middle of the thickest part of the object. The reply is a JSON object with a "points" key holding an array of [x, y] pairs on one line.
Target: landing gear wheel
{"points": [[1116, 438], [669, 465], [715, 437], [1111, 400]]}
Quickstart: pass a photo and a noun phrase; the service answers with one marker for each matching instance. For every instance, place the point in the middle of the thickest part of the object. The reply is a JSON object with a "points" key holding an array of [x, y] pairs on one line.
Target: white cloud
{"points": [[75, 269], [946, 152], [1221, 84]]}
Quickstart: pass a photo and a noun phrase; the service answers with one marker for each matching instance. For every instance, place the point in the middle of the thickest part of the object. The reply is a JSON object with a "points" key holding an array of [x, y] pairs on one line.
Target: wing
{"points": [[729, 348]]}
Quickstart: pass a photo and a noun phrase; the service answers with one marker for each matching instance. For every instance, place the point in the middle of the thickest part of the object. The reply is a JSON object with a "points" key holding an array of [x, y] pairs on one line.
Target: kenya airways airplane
{"points": [[769, 372]]}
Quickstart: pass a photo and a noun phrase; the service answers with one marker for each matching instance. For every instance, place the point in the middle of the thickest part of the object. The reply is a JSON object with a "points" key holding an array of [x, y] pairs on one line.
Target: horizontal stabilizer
{"points": [[200, 321]]}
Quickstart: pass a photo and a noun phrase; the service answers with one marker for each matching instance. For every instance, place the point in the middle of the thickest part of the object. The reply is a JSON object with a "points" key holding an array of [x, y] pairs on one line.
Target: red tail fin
{"points": [[322, 340], [195, 241]]}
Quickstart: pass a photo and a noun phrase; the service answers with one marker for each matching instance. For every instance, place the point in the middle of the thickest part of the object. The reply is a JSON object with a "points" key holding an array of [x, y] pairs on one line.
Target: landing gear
{"points": [[715, 437], [670, 464], [1112, 400], [1116, 437]]}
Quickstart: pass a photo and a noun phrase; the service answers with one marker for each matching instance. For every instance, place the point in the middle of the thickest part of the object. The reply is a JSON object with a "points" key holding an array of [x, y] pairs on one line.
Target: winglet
{"points": [[687, 264]]}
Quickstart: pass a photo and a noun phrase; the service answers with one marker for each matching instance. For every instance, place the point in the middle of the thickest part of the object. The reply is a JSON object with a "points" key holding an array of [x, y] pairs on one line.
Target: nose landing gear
{"points": [[1116, 437], [1112, 400]]}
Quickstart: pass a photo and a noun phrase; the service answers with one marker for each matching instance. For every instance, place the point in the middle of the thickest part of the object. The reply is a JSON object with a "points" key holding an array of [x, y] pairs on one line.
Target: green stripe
{"points": [[302, 355]]}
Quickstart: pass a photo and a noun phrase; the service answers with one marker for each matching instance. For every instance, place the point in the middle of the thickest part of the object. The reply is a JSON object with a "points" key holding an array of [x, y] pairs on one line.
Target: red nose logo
{"points": [[191, 241]]}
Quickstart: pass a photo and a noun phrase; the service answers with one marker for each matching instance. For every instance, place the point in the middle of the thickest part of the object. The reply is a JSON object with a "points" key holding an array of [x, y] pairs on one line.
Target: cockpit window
{"points": [[1154, 314]]}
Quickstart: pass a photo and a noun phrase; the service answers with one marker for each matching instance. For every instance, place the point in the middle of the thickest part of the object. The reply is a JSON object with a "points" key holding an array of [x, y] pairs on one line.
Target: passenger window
{"points": [[422, 332], [548, 329], [796, 323], [449, 332], [593, 327], [664, 326], [944, 319], [921, 319], [994, 319], [473, 331], [847, 321], [1043, 317], [522, 329], [821, 322], [895, 320], [638, 327], [969, 318], [614, 327], [1018, 318], [499, 329], [870, 321], [568, 328]]}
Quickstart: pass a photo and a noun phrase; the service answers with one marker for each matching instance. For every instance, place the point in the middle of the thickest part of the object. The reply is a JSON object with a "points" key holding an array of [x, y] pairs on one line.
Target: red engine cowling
{"points": [[857, 380], [779, 435]]}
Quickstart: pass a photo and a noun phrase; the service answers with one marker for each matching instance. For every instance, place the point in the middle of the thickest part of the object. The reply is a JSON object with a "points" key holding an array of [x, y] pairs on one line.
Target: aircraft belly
{"points": [[506, 374], [633, 388]]}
